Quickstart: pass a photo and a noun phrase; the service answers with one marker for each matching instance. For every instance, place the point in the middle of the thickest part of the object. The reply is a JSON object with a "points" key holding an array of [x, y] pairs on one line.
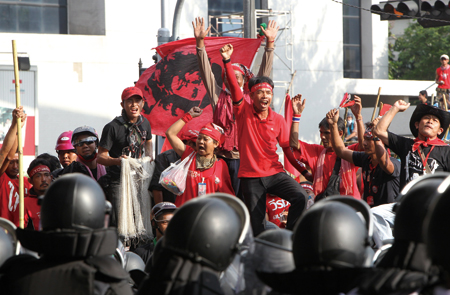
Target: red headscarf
{"points": [[214, 131]]}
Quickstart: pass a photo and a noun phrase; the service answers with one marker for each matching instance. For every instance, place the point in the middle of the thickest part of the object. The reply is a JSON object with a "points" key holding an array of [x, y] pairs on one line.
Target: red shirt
{"points": [[275, 207], [32, 211], [217, 179], [258, 141], [444, 75], [9, 197], [309, 153]]}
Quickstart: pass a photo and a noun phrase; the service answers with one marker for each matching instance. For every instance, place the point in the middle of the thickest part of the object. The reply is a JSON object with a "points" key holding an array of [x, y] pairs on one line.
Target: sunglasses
{"points": [[80, 144]]}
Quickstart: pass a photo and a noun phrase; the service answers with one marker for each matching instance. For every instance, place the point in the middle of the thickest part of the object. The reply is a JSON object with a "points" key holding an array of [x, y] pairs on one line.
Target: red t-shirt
{"points": [[309, 153], [258, 141], [9, 197], [444, 75], [217, 179], [275, 207], [32, 211]]}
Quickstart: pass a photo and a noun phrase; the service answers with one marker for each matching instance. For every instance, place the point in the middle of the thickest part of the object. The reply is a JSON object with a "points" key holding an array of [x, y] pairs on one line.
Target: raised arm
{"points": [[336, 140], [297, 106], [267, 61], [172, 133], [236, 93], [381, 129], [10, 141], [383, 158], [356, 110], [206, 73]]}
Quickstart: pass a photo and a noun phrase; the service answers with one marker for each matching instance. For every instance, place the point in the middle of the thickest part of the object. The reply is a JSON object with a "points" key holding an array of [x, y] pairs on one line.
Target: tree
{"points": [[419, 52]]}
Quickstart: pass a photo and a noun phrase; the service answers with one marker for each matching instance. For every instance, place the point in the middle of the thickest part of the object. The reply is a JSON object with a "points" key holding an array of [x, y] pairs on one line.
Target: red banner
{"points": [[173, 86]]}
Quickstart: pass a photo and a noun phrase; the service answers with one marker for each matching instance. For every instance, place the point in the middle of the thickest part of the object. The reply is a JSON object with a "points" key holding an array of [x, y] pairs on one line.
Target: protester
{"points": [[425, 154], [381, 173], [332, 176], [9, 179], [443, 81], [423, 98], [220, 98], [351, 134], [161, 215], [75, 244], [39, 175], [52, 160], [85, 141], [207, 173], [259, 130], [163, 161], [65, 150], [127, 135]]}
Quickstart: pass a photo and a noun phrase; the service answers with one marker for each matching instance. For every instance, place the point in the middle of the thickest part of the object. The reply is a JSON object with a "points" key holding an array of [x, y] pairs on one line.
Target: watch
{"points": [[375, 139]]}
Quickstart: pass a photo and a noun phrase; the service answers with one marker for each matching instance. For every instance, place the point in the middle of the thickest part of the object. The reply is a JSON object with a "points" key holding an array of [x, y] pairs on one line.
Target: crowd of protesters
{"points": [[233, 221]]}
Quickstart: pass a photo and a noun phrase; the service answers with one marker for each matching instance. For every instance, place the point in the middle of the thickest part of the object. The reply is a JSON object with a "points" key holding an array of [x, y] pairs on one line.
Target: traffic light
{"points": [[430, 13], [436, 13], [394, 10]]}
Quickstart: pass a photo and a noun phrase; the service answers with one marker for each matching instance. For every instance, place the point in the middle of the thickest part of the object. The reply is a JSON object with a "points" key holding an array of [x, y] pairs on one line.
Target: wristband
{"points": [[295, 119], [226, 61], [297, 115], [357, 120], [270, 41], [375, 139], [186, 118]]}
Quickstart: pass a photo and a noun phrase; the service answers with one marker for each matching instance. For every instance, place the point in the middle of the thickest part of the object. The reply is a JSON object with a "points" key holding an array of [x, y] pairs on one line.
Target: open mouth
{"points": [[265, 103], [134, 111]]}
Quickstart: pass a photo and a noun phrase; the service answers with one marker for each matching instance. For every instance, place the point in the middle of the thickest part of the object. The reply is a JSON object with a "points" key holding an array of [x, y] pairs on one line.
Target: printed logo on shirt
{"points": [[278, 204], [217, 180], [194, 174], [416, 166], [370, 201], [375, 189]]}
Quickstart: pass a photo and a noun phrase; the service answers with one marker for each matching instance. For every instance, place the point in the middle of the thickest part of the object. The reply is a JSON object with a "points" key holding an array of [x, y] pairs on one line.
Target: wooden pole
{"points": [[381, 107], [376, 104], [432, 99], [19, 136], [446, 109]]}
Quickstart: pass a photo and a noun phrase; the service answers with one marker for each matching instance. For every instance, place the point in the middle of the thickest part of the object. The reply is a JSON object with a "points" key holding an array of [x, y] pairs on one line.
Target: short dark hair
{"points": [[52, 160], [36, 162], [261, 79], [340, 124], [424, 93]]}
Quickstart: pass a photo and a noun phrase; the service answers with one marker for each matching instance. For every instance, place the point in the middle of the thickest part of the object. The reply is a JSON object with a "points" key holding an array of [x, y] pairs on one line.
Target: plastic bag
{"points": [[174, 177]]}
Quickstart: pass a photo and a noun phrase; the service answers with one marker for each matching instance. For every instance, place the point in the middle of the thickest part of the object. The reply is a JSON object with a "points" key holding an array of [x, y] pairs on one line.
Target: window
{"points": [[352, 39], [33, 16]]}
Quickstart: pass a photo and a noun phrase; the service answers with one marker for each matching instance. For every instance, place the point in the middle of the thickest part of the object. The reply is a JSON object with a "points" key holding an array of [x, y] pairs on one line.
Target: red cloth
{"points": [[224, 117], [32, 211], [418, 142], [9, 204], [217, 179], [275, 207], [444, 75], [257, 138], [309, 154], [173, 86]]}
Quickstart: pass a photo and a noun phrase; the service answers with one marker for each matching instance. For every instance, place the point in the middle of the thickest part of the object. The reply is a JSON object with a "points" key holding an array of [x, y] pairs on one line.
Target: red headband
{"points": [[40, 168], [260, 86], [213, 131]]}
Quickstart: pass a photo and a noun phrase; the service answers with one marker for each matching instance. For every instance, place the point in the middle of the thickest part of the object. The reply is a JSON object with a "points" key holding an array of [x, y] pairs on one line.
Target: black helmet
{"points": [[436, 229], [273, 251], [206, 230], [331, 234], [74, 201], [6, 246]]}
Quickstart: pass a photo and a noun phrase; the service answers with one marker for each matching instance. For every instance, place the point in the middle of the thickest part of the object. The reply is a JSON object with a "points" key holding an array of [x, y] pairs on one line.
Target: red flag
{"points": [[288, 113], [173, 86], [385, 108], [347, 101]]}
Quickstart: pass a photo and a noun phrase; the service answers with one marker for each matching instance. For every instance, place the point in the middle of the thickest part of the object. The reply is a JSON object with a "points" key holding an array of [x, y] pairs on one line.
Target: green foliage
{"points": [[419, 51]]}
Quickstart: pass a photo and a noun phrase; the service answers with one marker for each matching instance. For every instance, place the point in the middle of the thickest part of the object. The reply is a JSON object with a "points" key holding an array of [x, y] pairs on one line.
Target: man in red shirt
{"points": [[40, 178], [443, 81], [259, 130], [332, 176], [9, 180]]}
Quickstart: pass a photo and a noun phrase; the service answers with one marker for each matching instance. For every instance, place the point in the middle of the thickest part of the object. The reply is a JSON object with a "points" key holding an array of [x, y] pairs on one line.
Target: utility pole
{"points": [[249, 19]]}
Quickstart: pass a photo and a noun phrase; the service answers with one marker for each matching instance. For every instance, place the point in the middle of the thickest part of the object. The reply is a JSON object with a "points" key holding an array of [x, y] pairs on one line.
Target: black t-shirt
{"points": [[411, 162], [162, 161], [379, 187], [114, 139]]}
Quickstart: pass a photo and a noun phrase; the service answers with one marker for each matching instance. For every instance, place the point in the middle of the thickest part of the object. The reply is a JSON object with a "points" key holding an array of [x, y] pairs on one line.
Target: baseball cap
{"points": [[444, 56], [131, 91]]}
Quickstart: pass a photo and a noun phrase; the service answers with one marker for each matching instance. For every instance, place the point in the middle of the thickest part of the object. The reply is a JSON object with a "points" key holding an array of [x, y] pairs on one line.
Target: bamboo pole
{"points": [[432, 99], [444, 97], [381, 107], [19, 136], [376, 104]]}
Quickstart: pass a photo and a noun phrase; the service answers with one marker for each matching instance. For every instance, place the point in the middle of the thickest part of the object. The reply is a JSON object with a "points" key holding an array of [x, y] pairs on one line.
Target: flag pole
{"points": [[446, 109], [376, 104], [432, 99], [381, 107], [19, 136]]}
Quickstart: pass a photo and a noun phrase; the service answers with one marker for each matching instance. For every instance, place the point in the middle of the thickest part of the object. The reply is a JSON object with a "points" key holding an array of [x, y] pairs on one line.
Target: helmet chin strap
{"points": [[89, 158]]}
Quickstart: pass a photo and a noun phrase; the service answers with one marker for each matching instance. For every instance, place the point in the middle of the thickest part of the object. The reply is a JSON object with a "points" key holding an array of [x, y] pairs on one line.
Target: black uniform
{"points": [[379, 187], [71, 263]]}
